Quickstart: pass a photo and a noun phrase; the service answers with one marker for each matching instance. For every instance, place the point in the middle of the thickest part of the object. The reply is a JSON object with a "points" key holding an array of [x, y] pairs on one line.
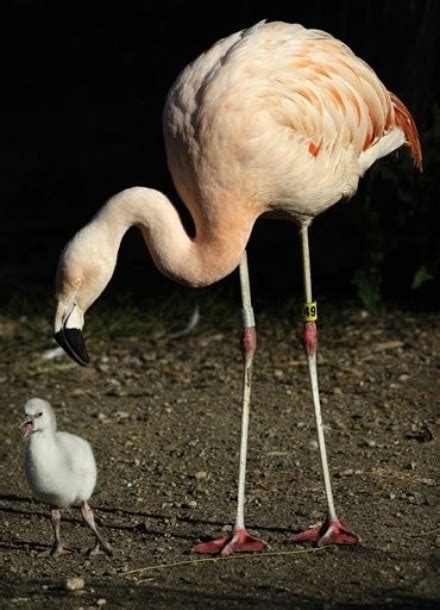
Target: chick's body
{"points": [[60, 469]]}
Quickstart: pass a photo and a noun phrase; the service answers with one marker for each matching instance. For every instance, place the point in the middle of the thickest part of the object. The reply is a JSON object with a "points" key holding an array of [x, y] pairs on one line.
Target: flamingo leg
{"points": [[58, 548], [241, 541], [332, 531], [101, 545]]}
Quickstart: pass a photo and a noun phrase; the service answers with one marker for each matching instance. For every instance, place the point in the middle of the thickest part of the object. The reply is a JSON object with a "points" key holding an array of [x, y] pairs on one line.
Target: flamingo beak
{"points": [[68, 335], [72, 342]]}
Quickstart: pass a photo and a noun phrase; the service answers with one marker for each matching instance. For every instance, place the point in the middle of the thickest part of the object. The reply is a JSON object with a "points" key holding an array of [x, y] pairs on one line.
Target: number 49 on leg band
{"points": [[310, 312]]}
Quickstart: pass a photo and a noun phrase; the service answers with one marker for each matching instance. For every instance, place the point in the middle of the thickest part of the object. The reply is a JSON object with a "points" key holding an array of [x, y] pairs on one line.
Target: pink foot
{"points": [[240, 541], [332, 531]]}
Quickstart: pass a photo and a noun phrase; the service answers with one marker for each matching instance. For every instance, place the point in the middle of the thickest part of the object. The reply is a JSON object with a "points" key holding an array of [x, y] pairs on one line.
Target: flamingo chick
{"points": [[274, 120], [61, 471]]}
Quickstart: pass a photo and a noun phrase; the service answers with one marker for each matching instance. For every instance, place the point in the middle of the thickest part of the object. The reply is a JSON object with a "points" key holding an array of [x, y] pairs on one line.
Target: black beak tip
{"points": [[72, 342]]}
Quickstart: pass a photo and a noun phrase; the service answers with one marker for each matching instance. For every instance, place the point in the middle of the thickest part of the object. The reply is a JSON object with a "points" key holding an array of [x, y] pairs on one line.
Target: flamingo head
{"points": [[84, 270]]}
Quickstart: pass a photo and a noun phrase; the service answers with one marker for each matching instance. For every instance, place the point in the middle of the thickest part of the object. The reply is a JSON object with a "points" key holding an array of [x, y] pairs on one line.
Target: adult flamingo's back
{"points": [[276, 119]]}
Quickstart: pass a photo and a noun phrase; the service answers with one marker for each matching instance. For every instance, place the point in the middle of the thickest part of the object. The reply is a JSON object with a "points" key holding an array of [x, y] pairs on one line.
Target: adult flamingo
{"points": [[274, 119]]}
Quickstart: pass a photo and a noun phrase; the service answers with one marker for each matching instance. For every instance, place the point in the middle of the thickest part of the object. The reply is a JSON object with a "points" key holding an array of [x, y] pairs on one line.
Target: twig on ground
{"points": [[214, 559]]}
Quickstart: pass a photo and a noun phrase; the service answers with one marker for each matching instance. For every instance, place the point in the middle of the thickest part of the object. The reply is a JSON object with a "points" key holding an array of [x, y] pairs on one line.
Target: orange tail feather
{"points": [[405, 121]]}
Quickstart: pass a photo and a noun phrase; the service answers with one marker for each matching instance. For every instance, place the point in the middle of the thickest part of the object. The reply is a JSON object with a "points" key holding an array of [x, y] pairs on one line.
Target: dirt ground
{"points": [[163, 417]]}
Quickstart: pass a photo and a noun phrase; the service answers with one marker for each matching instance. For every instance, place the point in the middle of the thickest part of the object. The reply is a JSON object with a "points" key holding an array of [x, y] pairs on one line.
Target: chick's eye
{"points": [[39, 414]]}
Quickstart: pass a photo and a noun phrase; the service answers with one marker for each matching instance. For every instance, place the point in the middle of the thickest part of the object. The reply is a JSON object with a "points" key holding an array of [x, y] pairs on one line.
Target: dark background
{"points": [[84, 86]]}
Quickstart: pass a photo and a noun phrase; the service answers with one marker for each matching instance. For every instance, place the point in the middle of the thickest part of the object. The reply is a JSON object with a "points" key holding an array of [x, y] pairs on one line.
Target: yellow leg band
{"points": [[310, 312]]}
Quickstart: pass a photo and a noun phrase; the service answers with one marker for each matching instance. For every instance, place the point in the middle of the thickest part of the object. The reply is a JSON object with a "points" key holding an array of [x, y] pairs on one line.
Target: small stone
{"points": [[75, 583], [192, 504], [122, 414], [417, 498], [111, 571], [101, 602], [370, 443], [200, 475], [410, 466], [102, 417], [313, 444], [392, 495]]}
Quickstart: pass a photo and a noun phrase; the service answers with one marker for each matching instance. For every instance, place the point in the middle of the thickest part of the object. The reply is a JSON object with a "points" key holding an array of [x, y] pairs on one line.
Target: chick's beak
{"points": [[27, 425]]}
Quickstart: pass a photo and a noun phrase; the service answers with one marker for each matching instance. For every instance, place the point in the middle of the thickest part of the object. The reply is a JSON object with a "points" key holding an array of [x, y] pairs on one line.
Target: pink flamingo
{"points": [[276, 119]]}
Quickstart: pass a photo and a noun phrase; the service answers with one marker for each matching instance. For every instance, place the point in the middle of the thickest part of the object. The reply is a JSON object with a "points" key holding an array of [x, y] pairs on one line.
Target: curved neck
{"points": [[212, 254]]}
